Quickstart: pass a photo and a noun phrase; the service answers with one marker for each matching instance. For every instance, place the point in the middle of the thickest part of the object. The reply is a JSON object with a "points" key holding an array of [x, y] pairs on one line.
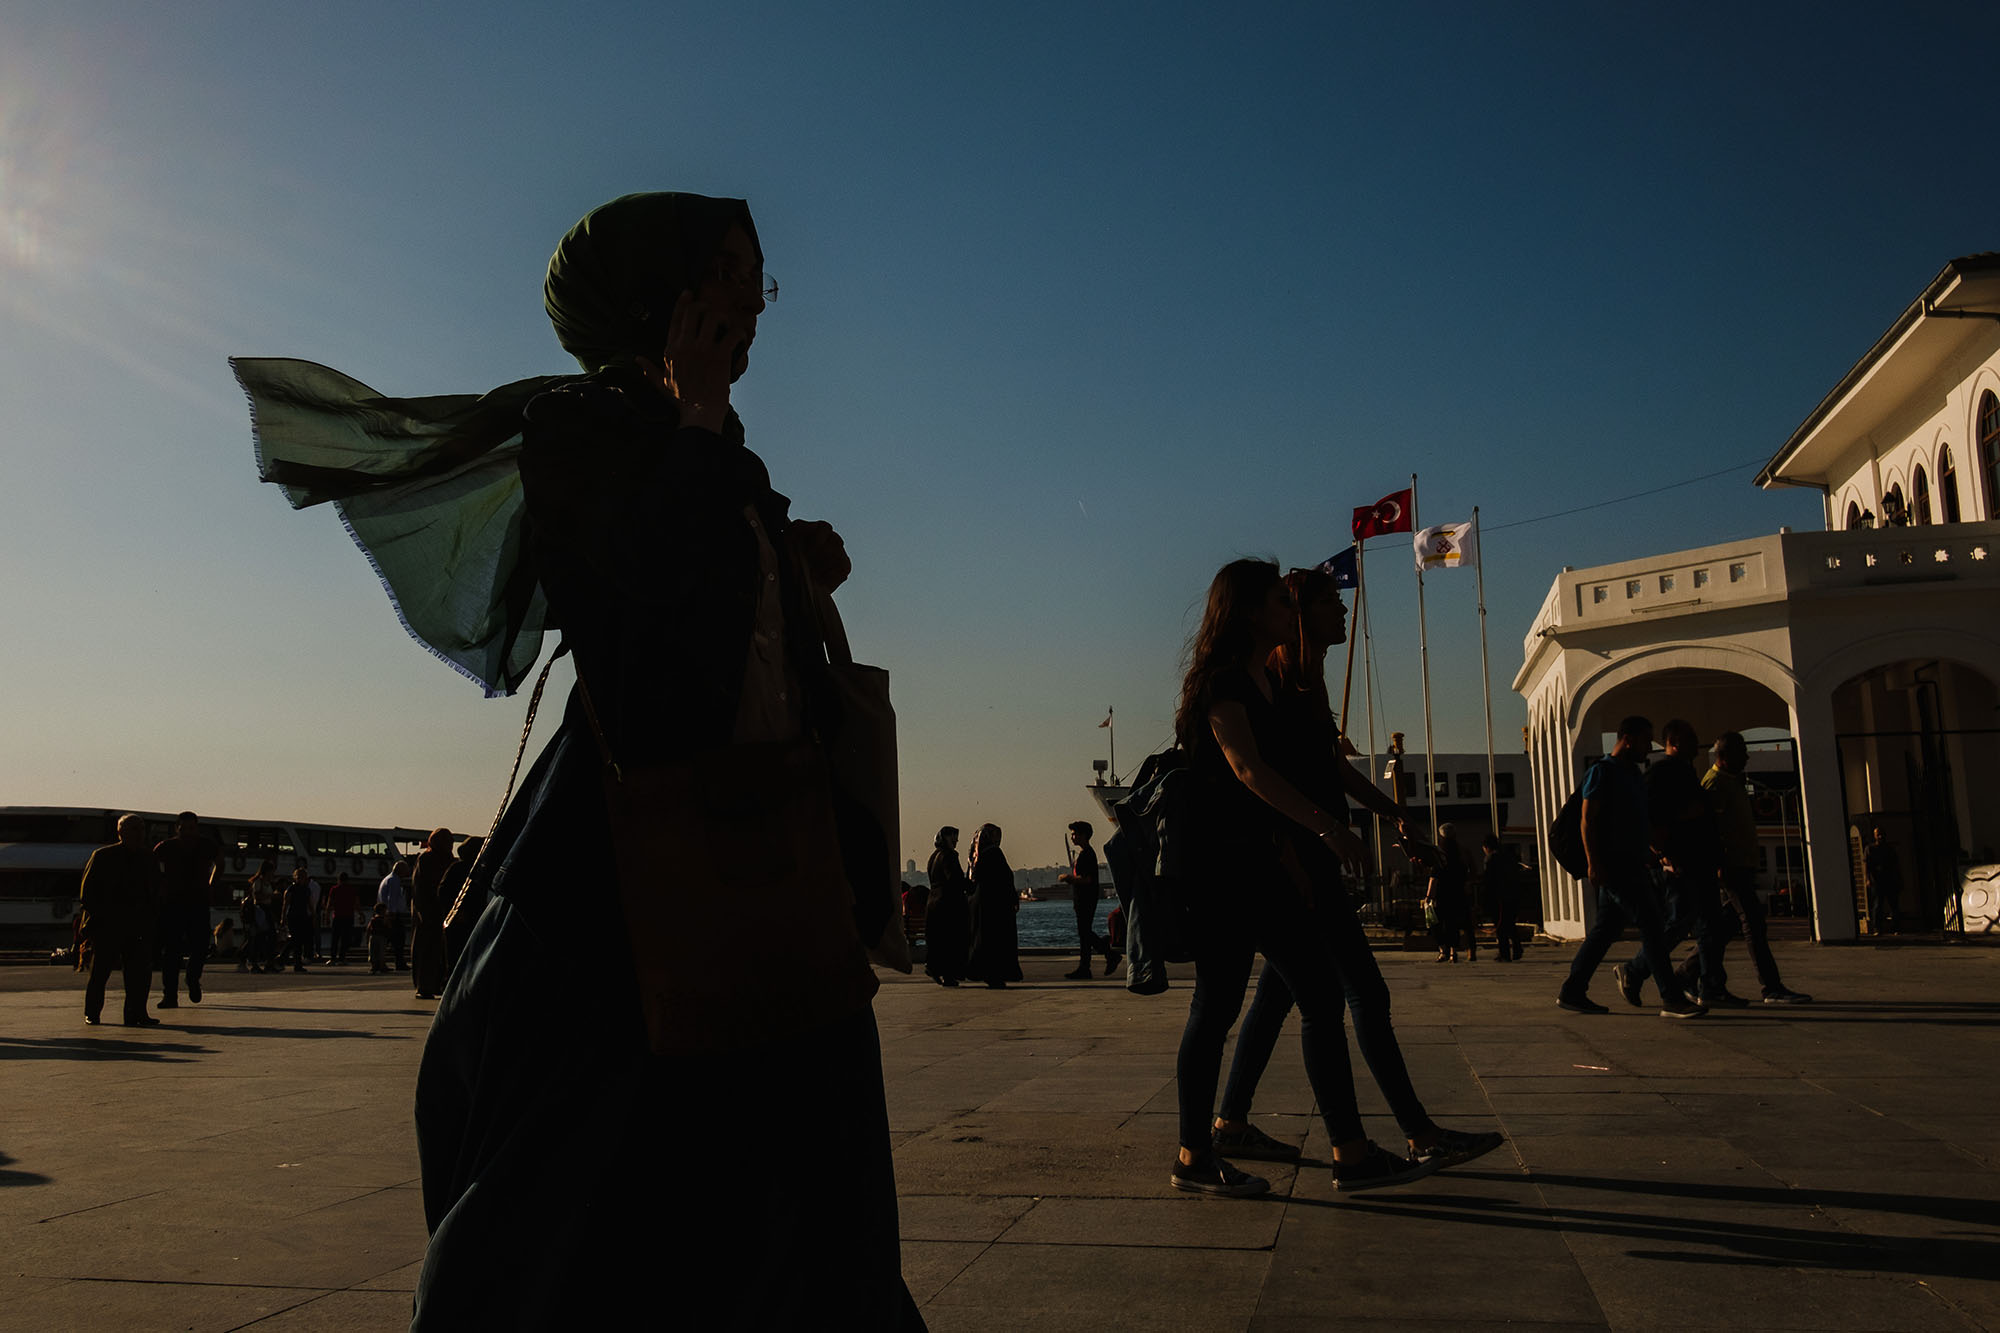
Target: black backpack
{"points": [[1149, 863], [1566, 833]]}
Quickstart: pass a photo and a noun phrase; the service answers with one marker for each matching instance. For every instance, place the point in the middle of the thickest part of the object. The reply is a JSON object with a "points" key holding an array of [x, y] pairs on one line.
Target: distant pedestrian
{"points": [[995, 956], [913, 911], [341, 900], [260, 917], [1736, 824], [188, 862], [377, 930], [458, 920], [1688, 850], [298, 919], [1085, 894], [120, 899], [1617, 838], [1500, 882], [228, 939], [427, 908], [393, 896], [947, 913], [1884, 872], [1446, 898]]}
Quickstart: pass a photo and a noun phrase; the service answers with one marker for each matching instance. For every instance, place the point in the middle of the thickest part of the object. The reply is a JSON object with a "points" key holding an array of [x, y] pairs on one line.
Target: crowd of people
{"points": [[142, 909]]}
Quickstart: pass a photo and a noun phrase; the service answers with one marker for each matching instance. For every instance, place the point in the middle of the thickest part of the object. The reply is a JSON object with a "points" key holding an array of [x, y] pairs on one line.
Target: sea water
{"points": [[1052, 924]]}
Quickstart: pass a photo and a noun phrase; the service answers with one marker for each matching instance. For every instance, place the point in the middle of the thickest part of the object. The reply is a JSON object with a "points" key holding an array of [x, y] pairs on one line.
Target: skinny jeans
{"points": [[1265, 915], [1360, 979], [1626, 898], [1694, 908], [1739, 894]]}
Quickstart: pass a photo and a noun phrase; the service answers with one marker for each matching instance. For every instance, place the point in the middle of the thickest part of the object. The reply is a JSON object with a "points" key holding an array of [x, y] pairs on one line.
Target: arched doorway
{"points": [[1919, 754]]}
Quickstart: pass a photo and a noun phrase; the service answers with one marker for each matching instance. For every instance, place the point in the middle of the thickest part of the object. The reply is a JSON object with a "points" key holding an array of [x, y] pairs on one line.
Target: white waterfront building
{"points": [[1874, 644]]}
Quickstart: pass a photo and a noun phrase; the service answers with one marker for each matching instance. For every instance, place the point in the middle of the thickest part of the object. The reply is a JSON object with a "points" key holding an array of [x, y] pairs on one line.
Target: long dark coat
{"points": [[996, 948], [947, 919]]}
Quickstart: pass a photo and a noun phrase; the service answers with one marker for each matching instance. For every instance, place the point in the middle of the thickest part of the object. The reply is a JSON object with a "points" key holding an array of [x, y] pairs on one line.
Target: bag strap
{"points": [[534, 706]]}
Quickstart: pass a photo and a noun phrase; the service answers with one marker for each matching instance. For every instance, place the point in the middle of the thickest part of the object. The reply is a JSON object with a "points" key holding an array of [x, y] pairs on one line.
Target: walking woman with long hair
{"points": [[1265, 845], [1316, 766]]}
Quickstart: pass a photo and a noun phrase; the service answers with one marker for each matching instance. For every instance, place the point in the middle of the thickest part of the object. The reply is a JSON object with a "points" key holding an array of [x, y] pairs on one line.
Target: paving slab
{"points": [[252, 1163]]}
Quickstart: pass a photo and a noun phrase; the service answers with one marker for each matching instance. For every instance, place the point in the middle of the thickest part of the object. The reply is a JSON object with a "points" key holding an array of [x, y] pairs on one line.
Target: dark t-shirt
{"points": [[1086, 867], [1267, 729], [1624, 829], [1675, 800], [185, 865]]}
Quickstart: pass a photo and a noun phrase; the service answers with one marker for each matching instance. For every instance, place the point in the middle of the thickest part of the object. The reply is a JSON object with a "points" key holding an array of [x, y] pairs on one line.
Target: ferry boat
{"points": [[43, 849]]}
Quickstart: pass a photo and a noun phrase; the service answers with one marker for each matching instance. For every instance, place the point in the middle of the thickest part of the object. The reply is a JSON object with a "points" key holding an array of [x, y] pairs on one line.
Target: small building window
{"points": [[1503, 786], [1920, 497], [1599, 593], [1947, 485], [1441, 785], [1989, 450], [1631, 589], [1666, 583], [1468, 786], [1738, 572], [1701, 578]]}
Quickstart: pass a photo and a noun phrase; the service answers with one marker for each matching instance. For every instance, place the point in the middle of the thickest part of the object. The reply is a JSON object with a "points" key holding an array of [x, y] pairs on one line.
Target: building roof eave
{"points": [[1949, 294]]}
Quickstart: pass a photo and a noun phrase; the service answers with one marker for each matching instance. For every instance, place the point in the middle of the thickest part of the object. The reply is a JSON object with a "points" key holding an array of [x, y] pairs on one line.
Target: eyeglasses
{"points": [[767, 286]]}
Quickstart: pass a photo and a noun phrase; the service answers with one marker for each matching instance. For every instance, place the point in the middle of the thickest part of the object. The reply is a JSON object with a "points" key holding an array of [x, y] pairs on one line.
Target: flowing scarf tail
{"points": [[429, 489]]}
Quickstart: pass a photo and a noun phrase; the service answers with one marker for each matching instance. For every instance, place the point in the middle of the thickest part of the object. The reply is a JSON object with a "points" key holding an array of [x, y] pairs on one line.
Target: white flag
{"points": [[1447, 546]]}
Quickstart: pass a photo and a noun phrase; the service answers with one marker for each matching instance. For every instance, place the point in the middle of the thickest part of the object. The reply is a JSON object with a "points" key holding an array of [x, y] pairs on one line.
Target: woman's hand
{"points": [[1343, 844], [699, 364], [824, 553]]}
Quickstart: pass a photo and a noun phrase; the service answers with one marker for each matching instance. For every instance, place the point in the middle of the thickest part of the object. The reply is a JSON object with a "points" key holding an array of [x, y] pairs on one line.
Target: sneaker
{"points": [[1628, 985], [1722, 999], [1081, 974], [1379, 1167], [1683, 1008], [1455, 1146], [1211, 1175], [1580, 1004], [1783, 996], [1253, 1143], [168, 1002], [194, 991], [1112, 960]]}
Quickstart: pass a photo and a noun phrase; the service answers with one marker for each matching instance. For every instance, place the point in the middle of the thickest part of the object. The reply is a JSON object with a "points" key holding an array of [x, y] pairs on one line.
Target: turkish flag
{"points": [[1391, 513]]}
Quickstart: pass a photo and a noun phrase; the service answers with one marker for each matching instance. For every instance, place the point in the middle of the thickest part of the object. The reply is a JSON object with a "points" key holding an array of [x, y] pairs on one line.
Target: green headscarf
{"points": [[430, 488]]}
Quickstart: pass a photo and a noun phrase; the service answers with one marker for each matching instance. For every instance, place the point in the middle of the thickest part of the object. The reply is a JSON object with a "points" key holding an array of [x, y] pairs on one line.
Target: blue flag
{"points": [[1342, 568]]}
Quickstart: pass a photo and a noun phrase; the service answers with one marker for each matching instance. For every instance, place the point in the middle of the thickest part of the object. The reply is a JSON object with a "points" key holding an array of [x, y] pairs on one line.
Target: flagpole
{"points": [[1111, 721], [1360, 596], [1368, 697], [1485, 675], [1424, 662]]}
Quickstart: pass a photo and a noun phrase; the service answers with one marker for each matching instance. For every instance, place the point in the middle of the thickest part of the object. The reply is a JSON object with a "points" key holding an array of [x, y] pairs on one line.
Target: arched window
{"points": [[1947, 485], [1895, 514], [1920, 497], [1989, 450], [1853, 516]]}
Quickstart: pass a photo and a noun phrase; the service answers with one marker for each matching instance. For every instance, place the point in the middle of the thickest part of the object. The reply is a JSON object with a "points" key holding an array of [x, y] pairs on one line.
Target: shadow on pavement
{"points": [[216, 1030], [96, 1048], [1752, 1243], [10, 1178]]}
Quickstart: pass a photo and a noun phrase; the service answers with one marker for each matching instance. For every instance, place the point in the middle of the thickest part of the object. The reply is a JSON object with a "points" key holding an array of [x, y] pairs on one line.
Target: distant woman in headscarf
{"points": [[996, 952], [427, 905], [947, 918], [564, 1182]]}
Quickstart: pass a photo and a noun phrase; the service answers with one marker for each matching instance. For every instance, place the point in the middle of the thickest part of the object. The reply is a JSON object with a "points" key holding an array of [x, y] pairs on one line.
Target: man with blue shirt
{"points": [[1617, 844]]}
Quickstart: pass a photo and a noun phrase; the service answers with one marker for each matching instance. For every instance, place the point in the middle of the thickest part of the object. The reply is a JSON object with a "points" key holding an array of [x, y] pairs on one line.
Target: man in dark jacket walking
{"points": [[120, 897]]}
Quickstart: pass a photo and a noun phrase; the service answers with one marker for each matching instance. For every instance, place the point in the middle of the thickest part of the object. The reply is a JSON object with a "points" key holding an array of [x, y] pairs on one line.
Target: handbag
{"points": [[861, 760]]}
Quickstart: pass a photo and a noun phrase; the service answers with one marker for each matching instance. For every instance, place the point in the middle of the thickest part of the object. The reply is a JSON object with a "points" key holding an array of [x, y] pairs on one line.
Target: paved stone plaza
{"points": [[1835, 1166]]}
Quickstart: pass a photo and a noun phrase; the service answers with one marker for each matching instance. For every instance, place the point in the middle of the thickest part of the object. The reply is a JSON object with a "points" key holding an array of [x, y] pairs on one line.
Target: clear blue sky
{"points": [[1078, 303]]}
